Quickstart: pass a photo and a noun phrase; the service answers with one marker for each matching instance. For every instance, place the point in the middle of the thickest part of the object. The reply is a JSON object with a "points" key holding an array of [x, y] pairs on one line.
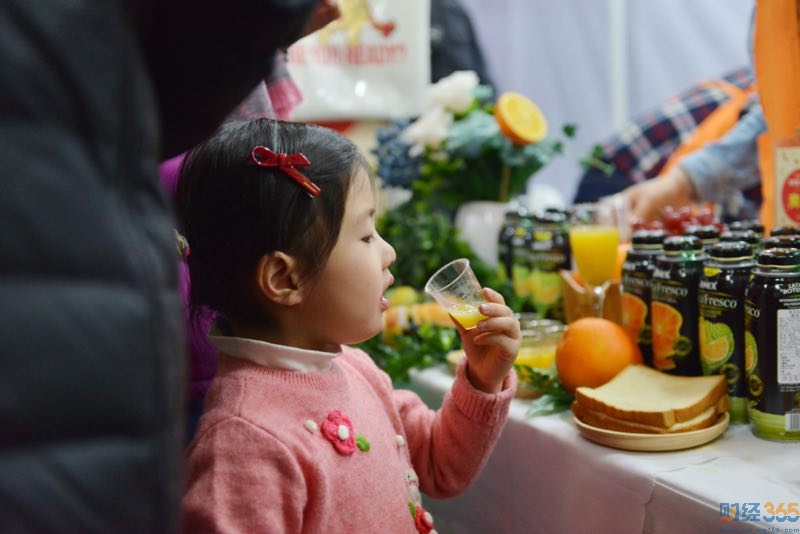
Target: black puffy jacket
{"points": [[92, 94]]}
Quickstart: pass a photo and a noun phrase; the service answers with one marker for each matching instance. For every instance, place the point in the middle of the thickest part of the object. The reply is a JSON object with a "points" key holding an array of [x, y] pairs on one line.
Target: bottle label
{"points": [[721, 332], [674, 316], [520, 268], [635, 304], [544, 282], [789, 350]]}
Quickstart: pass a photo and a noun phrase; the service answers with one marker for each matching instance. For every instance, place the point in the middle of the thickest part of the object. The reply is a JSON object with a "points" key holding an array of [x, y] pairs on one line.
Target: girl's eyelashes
{"points": [[370, 233]]}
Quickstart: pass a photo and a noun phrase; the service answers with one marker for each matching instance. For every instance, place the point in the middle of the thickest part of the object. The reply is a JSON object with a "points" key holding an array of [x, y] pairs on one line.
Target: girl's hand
{"points": [[491, 346]]}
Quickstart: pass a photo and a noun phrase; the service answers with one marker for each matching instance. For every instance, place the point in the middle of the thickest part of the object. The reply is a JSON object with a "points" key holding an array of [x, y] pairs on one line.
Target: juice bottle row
{"points": [[711, 302], [532, 250]]}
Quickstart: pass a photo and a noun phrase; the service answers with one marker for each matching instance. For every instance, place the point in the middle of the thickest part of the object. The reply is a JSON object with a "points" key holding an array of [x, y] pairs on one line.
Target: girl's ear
{"points": [[278, 279]]}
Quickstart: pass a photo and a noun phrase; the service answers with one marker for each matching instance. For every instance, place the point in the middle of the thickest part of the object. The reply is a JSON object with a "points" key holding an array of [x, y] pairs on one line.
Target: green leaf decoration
{"points": [[362, 443], [548, 404], [553, 397]]}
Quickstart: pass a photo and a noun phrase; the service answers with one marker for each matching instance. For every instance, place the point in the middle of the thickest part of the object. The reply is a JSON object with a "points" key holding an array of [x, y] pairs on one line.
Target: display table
{"points": [[543, 476]]}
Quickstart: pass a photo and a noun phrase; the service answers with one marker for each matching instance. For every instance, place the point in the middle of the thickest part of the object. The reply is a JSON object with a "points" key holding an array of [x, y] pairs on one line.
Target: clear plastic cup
{"points": [[456, 288]]}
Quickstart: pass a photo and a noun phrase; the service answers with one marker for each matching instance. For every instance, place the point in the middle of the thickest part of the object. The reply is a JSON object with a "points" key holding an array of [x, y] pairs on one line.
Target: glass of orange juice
{"points": [[594, 240], [456, 288]]}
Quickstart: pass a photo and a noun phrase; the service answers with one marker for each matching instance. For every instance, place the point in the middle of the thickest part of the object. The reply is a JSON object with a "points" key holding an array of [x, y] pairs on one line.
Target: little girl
{"points": [[302, 433]]}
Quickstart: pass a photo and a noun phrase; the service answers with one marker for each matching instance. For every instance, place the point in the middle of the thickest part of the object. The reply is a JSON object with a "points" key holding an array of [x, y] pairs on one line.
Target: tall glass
{"points": [[594, 240]]}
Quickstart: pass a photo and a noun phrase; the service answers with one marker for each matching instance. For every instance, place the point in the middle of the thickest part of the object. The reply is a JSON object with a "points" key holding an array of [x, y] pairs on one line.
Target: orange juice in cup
{"points": [[456, 288], [466, 314], [538, 356], [594, 248], [594, 241]]}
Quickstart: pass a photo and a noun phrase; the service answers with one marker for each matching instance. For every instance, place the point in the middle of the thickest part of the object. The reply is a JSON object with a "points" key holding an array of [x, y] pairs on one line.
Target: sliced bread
{"points": [[705, 419], [640, 394]]}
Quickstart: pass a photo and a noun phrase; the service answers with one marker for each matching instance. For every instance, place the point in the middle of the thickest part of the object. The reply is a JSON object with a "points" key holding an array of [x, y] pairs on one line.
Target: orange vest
{"points": [[716, 124], [777, 73]]}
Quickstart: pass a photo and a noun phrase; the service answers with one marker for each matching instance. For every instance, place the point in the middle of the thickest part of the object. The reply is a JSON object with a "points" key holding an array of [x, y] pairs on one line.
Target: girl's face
{"points": [[345, 304]]}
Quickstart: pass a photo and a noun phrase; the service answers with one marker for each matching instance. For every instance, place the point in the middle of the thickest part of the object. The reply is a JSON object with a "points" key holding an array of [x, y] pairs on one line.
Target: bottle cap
{"points": [[784, 230], [648, 239], [730, 250], [781, 241], [748, 236], [779, 257], [704, 232], [549, 218], [682, 243], [753, 225]]}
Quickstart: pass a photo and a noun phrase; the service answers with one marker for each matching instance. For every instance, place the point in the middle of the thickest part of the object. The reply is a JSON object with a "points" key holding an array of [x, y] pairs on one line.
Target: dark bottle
{"points": [[772, 345], [565, 212], [707, 234], [750, 224], [780, 241], [548, 253], [721, 293], [746, 236], [637, 271], [785, 230], [673, 309], [505, 243]]}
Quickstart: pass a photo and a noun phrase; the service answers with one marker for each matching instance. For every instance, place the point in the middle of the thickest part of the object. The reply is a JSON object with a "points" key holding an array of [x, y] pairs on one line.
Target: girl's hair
{"points": [[233, 212]]}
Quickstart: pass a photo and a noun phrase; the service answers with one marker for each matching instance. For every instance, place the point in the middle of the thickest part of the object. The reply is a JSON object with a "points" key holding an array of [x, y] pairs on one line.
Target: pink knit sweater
{"points": [[341, 451]]}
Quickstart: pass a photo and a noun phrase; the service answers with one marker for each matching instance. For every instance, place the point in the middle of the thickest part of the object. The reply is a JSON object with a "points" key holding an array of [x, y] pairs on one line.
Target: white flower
{"points": [[428, 131], [456, 91]]}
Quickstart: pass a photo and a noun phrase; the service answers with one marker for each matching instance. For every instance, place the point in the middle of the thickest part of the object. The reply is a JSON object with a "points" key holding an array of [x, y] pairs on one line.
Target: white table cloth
{"points": [[543, 476]]}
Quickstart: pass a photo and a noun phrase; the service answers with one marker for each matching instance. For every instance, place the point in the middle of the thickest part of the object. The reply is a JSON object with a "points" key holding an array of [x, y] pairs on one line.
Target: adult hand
{"points": [[491, 346], [647, 199]]}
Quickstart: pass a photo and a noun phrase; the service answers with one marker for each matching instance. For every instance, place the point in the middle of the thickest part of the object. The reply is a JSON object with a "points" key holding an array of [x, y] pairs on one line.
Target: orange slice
{"points": [[520, 119]]}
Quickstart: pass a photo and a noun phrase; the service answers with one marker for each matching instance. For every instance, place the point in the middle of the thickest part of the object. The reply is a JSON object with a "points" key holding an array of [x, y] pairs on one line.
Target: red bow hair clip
{"points": [[261, 156]]}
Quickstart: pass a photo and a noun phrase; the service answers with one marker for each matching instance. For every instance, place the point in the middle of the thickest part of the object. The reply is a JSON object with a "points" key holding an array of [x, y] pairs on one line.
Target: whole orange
{"points": [[592, 351]]}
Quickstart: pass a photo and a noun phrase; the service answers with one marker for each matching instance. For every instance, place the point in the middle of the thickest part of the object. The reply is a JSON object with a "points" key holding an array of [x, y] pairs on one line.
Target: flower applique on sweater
{"points": [[338, 430], [423, 520]]}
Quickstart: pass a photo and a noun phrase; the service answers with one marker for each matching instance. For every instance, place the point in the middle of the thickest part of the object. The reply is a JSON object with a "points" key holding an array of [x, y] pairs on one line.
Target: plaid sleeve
{"points": [[641, 147]]}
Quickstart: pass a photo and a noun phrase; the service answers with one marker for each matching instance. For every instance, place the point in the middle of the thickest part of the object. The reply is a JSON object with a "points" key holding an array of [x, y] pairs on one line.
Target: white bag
{"points": [[371, 63]]}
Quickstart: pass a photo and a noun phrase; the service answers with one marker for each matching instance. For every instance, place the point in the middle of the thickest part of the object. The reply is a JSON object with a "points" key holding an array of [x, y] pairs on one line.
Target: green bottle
{"points": [[548, 253], [721, 294]]}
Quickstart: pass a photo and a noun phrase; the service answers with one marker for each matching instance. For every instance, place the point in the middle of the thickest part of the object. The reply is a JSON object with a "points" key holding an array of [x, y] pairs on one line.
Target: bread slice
{"points": [[705, 419], [639, 394]]}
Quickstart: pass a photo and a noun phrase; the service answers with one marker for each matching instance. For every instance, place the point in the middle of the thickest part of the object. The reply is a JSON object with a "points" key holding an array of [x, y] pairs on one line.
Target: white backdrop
{"points": [[561, 54]]}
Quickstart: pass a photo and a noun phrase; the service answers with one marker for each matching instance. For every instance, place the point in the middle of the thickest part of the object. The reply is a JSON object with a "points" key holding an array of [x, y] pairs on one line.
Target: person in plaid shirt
{"points": [[640, 149]]}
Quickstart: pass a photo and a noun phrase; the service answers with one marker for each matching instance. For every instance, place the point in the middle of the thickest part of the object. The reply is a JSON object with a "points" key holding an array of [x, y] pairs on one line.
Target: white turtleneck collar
{"points": [[272, 355]]}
